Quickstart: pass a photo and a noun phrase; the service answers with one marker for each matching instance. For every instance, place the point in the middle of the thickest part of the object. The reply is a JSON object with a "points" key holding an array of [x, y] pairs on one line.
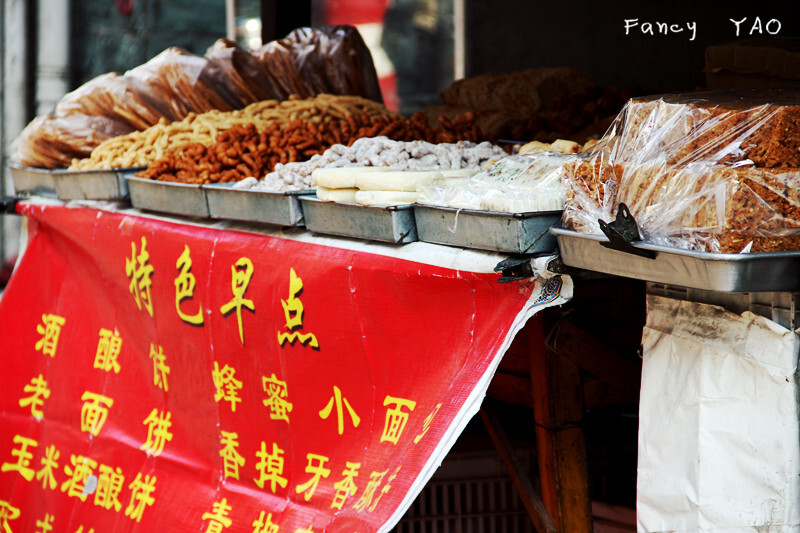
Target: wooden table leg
{"points": [[532, 501], [560, 442]]}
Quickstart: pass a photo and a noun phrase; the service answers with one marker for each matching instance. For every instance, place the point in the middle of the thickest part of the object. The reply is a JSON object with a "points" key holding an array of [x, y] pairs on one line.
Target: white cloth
{"points": [[718, 426]]}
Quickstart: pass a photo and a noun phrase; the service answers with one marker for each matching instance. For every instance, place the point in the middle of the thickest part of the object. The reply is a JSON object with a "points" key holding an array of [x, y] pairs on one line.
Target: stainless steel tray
{"points": [[389, 224], [92, 184], [32, 180], [168, 197], [282, 208], [756, 272], [523, 233]]}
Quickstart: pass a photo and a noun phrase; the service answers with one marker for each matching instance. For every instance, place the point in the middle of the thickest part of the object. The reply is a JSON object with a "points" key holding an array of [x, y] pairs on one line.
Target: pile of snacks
{"points": [[710, 171], [379, 186], [298, 141], [175, 83], [143, 148], [379, 152], [543, 104]]}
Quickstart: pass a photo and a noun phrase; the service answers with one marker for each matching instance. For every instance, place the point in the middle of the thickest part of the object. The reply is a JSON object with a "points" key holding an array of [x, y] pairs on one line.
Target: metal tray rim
{"points": [[229, 187], [177, 184], [705, 256], [500, 214], [70, 172], [309, 198]]}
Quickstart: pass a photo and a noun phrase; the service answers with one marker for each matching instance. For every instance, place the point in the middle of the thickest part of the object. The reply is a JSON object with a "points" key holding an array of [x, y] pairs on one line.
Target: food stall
{"points": [[279, 309]]}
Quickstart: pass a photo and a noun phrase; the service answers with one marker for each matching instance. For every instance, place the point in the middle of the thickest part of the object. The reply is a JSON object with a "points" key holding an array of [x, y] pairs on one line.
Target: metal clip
{"points": [[622, 231], [515, 268], [8, 205]]}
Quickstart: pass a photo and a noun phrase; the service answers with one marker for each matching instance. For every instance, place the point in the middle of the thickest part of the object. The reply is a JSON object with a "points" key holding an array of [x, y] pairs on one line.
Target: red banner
{"points": [[159, 374]]}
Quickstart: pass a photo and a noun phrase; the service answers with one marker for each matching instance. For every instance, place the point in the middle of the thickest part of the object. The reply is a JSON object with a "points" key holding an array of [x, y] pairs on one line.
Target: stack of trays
{"points": [[521, 233], [388, 224], [168, 197], [281, 208], [71, 184], [219, 201]]}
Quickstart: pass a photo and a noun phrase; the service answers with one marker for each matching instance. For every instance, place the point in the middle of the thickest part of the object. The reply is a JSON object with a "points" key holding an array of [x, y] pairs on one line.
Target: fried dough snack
{"points": [[141, 148], [244, 150]]}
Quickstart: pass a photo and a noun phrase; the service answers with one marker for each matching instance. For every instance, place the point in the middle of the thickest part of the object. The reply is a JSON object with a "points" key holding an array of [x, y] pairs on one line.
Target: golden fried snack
{"points": [[141, 148]]}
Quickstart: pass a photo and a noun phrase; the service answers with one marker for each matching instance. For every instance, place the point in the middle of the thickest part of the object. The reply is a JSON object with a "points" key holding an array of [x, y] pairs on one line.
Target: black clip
{"points": [[622, 231], [8, 205], [515, 268]]}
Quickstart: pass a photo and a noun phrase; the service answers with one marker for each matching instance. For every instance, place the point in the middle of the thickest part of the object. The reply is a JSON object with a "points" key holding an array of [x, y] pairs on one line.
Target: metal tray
{"points": [[168, 197], [524, 233], [756, 272], [92, 184], [389, 224], [32, 180], [282, 208]]}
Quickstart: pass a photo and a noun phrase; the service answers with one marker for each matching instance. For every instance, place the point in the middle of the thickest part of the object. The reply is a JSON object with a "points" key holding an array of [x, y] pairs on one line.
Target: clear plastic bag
{"points": [[174, 83], [513, 184], [52, 142], [709, 171]]}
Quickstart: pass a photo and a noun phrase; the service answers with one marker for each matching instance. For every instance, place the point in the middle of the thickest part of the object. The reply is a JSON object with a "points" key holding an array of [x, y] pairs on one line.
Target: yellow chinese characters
{"points": [[263, 524], [94, 411], [109, 346], [185, 285], [49, 466], [346, 486], [7, 513], [218, 517], [158, 424], [270, 467], [426, 424], [77, 475], [293, 312], [45, 525], [24, 457], [276, 401], [110, 482], [160, 367], [368, 499], [142, 489], [139, 270], [50, 330], [241, 272], [396, 418], [231, 459], [315, 467], [340, 403], [39, 392], [227, 386]]}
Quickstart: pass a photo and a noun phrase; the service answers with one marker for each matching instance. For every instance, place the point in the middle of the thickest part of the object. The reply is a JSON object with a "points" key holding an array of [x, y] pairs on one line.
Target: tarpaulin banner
{"points": [[164, 375]]}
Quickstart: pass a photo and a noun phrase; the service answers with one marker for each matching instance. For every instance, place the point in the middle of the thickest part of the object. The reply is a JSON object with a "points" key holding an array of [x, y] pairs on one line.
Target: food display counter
{"points": [[277, 310]]}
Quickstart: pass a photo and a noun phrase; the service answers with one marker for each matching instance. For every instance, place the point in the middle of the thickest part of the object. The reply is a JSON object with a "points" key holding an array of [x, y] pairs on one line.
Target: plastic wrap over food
{"points": [[513, 184], [52, 142], [197, 83], [116, 97], [174, 83], [710, 171], [330, 59]]}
